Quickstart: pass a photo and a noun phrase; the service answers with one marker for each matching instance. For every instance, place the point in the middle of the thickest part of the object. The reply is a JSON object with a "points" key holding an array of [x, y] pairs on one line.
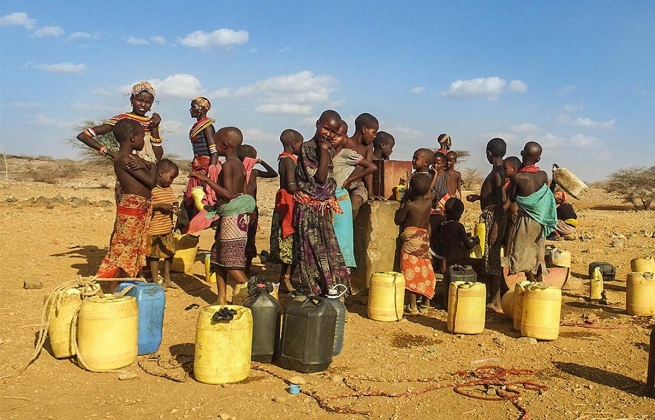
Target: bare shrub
{"points": [[633, 185], [108, 140], [51, 172], [471, 178]]}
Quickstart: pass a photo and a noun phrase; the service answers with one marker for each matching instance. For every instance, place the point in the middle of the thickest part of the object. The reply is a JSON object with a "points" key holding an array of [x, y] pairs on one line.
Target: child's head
{"points": [[422, 159], [246, 150], [366, 125], [445, 141], [496, 147], [511, 165], [167, 171], [531, 153], [439, 161], [199, 106], [454, 208], [142, 97], [129, 131], [341, 135], [384, 142], [419, 185], [291, 140], [451, 159], [228, 140], [328, 125]]}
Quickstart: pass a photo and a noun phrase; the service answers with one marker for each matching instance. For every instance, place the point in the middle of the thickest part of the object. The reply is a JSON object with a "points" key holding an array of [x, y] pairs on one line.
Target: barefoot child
{"points": [[440, 184], [129, 240], [282, 246], [383, 144], [321, 262], [164, 205], [345, 161], [414, 218], [536, 218], [454, 177], [366, 127], [228, 251], [492, 200]]}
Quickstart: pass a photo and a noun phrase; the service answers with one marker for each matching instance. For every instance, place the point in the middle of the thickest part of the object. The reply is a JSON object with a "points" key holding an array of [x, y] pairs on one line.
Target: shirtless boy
{"points": [[383, 144], [454, 177]]}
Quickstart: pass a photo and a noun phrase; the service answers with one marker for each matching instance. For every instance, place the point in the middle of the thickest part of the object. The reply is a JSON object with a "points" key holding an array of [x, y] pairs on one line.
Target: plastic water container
{"points": [[265, 324], [151, 300], [60, 330], [608, 270], [186, 247], [517, 312], [461, 273], [596, 285], [334, 297], [210, 276], [386, 296], [508, 303], [542, 306], [223, 347], [643, 265], [307, 341], [466, 307], [640, 294], [569, 182], [107, 332]]}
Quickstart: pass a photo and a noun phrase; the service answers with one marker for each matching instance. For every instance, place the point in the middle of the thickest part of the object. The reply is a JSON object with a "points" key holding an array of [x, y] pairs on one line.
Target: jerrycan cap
{"points": [[333, 292]]}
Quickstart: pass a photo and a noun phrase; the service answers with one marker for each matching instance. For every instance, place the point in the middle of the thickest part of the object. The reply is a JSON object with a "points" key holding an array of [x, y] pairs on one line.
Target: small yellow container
{"points": [[239, 293], [223, 349], [643, 265], [467, 306], [542, 307], [596, 285], [107, 332], [386, 296], [198, 193], [61, 327], [186, 248], [640, 294], [480, 232], [517, 312], [399, 192], [560, 258], [210, 276], [508, 303]]}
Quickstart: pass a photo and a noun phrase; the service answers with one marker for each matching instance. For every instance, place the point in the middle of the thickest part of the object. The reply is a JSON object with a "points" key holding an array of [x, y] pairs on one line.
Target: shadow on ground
{"points": [[602, 377]]}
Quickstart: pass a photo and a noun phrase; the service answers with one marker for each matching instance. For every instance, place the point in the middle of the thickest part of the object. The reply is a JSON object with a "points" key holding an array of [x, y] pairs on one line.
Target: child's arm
{"points": [[368, 179], [270, 172], [87, 138], [401, 214], [222, 192], [323, 162], [143, 172], [290, 174], [369, 168], [165, 208], [468, 242], [155, 120]]}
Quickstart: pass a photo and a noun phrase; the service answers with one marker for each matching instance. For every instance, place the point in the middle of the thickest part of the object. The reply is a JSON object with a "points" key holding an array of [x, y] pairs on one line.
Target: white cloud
{"points": [[41, 119], [136, 41], [178, 85], [220, 93], [173, 128], [48, 31], [253, 50], [284, 109], [402, 133], [573, 108], [79, 35], [285, 49], [26, 105], [583, 141], [97, 107], [485, 87], [417, 90], [66, 68], [218, 38], [309, 122], [525, 128], [251, 135], [517, 86], [566, 89], [566, 119], [17, 19], [159, 40]]}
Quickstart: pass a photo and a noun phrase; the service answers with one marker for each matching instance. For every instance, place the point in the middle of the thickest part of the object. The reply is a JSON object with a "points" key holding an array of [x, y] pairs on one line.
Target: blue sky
{"points": [[576, 76]]}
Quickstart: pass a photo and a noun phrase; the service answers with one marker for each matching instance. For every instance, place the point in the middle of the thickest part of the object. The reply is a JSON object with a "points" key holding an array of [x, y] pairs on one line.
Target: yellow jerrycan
{"points": [[517, 311], [108, 332], [596, 285], [386, 296], [467, 306], [61, 329], [508, 303], [542, 306], [640, 294], [223, 344], [239, 293], [480, 232], [560, 258], [643, 265]]}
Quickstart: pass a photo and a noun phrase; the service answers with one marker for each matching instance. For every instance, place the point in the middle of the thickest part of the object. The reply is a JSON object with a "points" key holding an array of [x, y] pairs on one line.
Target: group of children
{"points": [[323, 183]]}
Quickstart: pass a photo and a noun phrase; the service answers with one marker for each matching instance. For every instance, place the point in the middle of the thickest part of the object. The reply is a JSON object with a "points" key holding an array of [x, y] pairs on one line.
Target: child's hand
{"points": [[155, 120], [346, 184], [135, 163], [176, 207], [165, 208], [472, 198]]}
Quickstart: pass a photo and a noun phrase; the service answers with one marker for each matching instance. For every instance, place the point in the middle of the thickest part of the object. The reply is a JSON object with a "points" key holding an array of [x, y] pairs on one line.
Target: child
{"points": [[439, 184], [383, 144], [492, 200], [248, 155], [455, 243], [164, 204], [366, 127], [345, 161], [321, 261], [536, 218], [454, 177], [129, 240], [421, 161], [228, 251], [414, 218], [282, 246], [445, 142]]}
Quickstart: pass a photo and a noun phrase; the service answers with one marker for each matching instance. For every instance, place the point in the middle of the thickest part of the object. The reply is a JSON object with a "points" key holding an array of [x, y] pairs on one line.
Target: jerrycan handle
{"points": [[336, 287], [315, 300]]}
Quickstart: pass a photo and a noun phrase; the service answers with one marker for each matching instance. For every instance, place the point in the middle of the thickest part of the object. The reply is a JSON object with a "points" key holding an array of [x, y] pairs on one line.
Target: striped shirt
{"points": [[161, 223]]}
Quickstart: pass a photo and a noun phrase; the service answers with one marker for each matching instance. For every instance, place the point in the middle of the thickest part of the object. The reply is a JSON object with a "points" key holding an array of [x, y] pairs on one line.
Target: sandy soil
{"points": [[55, 232]]}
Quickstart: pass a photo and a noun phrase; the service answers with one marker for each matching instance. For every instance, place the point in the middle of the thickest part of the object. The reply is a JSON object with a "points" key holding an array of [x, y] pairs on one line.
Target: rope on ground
{"points": [[594, 326], [169, 369]]}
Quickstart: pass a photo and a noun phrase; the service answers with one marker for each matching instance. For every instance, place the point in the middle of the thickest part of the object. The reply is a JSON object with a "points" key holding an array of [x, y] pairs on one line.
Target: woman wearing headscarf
{"points": [[445, 143]]}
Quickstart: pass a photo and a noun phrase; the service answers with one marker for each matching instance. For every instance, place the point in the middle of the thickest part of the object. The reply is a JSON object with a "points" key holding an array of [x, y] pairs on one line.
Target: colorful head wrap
{"points": [[203, 103], [560, 197], [444, 141], [143, 87]]}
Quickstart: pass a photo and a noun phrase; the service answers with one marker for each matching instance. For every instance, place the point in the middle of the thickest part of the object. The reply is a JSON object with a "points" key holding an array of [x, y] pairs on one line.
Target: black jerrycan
{"points": [[265, 321], [307, 338], [455, 273], [650, 379]]}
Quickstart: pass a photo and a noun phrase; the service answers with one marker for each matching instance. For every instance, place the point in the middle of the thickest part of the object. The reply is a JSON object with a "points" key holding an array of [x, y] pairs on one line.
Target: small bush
{"points": [[52, 171], [634, 185]]}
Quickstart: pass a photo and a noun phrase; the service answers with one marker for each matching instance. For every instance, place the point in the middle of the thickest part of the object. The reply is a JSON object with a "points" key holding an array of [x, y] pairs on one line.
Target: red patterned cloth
{"points": [[530, 169], [130, 238], [415, 262]]}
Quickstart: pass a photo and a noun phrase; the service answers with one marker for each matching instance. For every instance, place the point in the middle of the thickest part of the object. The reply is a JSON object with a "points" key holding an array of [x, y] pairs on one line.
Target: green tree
{"points": [[108, 140], [634, 185]]}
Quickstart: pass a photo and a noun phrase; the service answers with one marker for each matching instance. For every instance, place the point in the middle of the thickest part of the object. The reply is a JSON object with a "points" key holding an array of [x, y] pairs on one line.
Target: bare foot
{"points": [[168, 284], [498, 309]]}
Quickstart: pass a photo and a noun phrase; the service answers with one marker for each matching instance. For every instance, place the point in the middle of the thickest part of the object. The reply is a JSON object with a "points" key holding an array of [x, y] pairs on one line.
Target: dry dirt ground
{"points": [[55, 231]]}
